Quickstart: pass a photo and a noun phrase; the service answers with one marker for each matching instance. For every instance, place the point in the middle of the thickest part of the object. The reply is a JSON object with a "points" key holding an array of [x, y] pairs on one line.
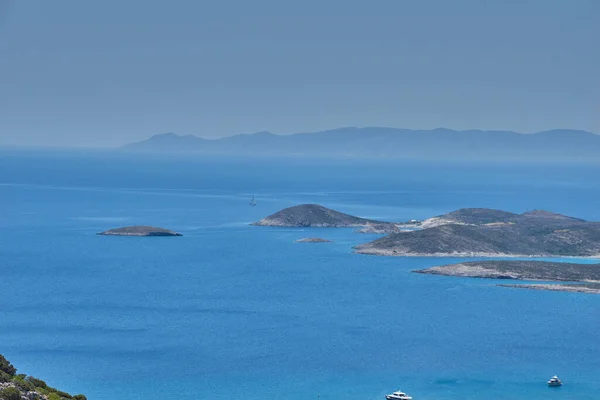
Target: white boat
{"points": [[398, 396], [554, 381], [253, 201]]}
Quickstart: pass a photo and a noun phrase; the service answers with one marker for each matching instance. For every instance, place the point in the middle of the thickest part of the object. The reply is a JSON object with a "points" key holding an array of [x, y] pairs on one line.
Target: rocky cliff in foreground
{"points": [[316, 216], [15, 386]]}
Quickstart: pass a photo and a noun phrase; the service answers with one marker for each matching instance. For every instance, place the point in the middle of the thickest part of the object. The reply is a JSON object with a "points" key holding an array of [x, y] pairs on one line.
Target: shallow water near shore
{"points": [[235, 310]]}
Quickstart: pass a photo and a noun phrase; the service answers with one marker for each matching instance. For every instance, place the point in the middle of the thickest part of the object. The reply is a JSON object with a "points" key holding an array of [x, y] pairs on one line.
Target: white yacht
{"points": [[398, 396], [253, 201], [554, 381]]}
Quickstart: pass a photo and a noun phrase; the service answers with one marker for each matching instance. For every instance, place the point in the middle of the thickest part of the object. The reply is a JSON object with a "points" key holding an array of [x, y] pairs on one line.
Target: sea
{"points": [[234, 311]]}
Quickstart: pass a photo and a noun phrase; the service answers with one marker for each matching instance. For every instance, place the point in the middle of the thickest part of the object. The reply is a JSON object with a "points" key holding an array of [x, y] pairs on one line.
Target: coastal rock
{"points": [[313, 240], [314, 215], [139, 231]]}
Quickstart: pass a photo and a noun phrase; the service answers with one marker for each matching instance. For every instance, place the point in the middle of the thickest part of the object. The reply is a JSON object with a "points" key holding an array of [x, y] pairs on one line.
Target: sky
{"points": [[105, 73]]}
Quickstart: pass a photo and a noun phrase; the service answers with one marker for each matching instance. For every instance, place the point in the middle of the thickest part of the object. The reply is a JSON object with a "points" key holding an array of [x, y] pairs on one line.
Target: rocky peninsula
{"points": [[316, 216], [139, 231], [480, 232], [521, 270], [313, 240], [587, 275], [15, 386]]}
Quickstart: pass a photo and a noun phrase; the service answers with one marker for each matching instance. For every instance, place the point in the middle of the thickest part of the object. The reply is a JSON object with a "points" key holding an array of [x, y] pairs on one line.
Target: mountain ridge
{"points": [[383, 142]]}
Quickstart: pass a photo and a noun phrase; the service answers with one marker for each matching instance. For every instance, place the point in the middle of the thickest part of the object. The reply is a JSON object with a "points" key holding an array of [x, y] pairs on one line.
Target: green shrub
{"points": [[37, 383], [64, 395], [79, 397], [4, 377], [54, 396], [10, 394], [6, 366], [22, 384]]}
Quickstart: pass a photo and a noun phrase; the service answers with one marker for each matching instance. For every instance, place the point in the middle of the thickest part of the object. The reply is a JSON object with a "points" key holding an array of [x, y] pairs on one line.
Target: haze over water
{"points": [[229, 310]]}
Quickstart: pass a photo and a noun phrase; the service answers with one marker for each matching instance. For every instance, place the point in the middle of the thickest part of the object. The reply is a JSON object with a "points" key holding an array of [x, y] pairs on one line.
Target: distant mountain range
{"points": [[435, 144]]}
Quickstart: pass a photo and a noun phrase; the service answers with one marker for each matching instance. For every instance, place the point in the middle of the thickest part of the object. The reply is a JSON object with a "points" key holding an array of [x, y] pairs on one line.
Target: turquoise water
{"points": [[234, 310]]}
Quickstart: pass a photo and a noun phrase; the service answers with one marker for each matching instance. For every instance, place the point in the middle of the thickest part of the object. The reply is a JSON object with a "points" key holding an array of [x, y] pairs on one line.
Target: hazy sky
{"points": [[104, 73]]}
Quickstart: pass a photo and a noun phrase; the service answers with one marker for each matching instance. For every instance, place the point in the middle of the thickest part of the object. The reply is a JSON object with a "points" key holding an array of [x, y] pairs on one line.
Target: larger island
{"points": [[480, 232]]}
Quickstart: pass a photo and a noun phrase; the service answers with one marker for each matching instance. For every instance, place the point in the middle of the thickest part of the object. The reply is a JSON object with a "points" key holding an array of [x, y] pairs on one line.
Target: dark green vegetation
{"points": [[485, 232], [140, 231], [314, 215], [14, 386]]}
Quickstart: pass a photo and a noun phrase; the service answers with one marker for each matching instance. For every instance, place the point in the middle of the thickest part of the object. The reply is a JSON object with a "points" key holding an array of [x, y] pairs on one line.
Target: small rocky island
{"points": [[139, 231], [313, 240], [588, 275], [316, 216], [481, 232]]}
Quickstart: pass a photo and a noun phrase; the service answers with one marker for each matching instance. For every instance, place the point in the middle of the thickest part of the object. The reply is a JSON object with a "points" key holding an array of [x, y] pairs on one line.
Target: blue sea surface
{"points": [[235, 311]]}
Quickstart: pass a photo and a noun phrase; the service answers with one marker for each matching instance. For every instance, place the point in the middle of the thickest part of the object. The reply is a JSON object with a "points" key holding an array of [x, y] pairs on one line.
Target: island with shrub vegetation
{"points": [[15, 386], [482, 232], [317, 216]]}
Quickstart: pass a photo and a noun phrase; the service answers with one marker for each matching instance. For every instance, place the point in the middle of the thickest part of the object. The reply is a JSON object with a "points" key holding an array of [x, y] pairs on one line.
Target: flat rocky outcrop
{"points": [[313, 240], [591, 288], [493, 233], [588, 275], [316, 216], [139, 231], [520, 269]]}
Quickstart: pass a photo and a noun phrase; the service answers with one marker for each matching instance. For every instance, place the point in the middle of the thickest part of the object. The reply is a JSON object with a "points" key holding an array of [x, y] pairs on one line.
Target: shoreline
{"points": [[587, 288], [392, 253]]}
